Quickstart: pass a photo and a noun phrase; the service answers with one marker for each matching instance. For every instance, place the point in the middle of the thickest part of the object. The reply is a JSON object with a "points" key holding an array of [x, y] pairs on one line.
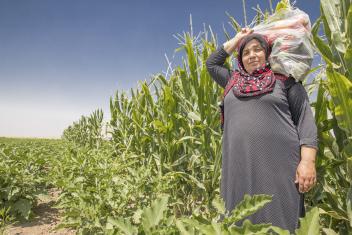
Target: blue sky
{"points": [[63, 59]]}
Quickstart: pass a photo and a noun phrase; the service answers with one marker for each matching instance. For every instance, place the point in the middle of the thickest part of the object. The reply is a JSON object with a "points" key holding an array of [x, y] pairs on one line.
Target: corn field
{"points": [[154, 167]]}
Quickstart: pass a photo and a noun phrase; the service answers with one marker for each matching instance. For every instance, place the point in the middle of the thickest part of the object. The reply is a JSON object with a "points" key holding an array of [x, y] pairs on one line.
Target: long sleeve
{"points": [[216, 68], [302, 115]]}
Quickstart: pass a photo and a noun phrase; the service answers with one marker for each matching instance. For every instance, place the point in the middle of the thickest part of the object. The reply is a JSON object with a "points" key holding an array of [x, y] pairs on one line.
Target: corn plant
{"points": [[87, 131], [333, 115], [175, 121]]}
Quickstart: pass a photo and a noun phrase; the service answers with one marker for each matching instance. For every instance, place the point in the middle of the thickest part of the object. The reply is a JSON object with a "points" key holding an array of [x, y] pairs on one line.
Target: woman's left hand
{"points": [[305, 175]]}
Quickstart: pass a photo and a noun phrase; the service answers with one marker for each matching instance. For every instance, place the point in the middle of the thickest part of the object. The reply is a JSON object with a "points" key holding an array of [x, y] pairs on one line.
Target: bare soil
{"points": [[45, 220]]}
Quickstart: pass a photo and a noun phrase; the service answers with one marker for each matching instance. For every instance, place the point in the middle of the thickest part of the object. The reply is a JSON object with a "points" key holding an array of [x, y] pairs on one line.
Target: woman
{"points": [[269, 134]]}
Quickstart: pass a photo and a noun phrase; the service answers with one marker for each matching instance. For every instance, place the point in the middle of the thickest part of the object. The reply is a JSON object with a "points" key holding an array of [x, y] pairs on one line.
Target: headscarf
{"points": [[243, 84], [261, 81]]}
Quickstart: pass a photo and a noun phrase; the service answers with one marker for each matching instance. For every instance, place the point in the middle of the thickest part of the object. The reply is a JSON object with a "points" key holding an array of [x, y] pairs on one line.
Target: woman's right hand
{"points": [[244, 32], [232, 44]]}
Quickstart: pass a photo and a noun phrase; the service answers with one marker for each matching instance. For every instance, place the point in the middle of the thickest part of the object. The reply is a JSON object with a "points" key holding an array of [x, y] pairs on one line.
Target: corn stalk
{"points": [[333, 115]]}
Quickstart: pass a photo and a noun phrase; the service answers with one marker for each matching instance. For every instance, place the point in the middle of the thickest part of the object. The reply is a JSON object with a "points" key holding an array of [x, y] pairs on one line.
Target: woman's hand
{"points": [[305, 176], [244, 32], [306, 173], [232, 44]]}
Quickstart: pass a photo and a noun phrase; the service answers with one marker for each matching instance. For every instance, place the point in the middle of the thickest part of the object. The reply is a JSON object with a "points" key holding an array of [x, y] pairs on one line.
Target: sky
{"points": [[60, 59]]}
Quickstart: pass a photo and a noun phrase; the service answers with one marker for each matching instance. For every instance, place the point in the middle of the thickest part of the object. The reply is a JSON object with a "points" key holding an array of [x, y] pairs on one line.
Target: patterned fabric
{"points": [[260, 154], [232, 84], [259, 82]]}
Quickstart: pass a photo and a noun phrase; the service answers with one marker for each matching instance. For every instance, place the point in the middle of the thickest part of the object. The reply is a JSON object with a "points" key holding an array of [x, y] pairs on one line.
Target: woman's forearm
{"points": [[308, 154], [231, 45], [306, 172]]}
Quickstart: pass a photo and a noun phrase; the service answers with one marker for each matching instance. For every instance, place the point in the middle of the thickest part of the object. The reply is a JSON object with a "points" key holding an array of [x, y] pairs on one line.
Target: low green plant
{"points": [[24, 166]]}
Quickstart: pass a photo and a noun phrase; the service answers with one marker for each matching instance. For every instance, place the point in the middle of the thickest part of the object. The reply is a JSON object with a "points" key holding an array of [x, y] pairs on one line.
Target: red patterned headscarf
{"points": [[260, 81]]}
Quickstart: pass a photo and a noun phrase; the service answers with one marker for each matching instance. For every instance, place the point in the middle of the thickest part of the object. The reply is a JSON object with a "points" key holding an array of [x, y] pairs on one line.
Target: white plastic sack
{"points": [[289, 33]]}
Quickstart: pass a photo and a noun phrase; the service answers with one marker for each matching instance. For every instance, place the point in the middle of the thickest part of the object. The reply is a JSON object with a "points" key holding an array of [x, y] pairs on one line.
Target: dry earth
{"points": [[45, 220]]}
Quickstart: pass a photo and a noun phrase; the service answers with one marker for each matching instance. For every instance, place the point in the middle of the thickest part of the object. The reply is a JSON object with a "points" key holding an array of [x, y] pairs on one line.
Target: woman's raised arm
{"points": [[231, 45], [215, 62], [216, 68]]}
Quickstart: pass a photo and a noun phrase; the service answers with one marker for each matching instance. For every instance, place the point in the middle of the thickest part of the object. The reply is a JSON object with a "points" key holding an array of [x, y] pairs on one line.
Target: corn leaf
{"points": [[341, 91], [283, 4], [349, 25], [324, 49], [349, 203], [348, 60], [235, 25], [331, 12]]}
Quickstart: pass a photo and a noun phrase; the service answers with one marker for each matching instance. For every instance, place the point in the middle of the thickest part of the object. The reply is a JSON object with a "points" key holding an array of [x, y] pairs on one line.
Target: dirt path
{"points": [[45, 220]]}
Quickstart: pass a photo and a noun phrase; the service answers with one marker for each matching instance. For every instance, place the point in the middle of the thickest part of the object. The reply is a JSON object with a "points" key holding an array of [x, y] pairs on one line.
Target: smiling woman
{"points": [[270, 138]]}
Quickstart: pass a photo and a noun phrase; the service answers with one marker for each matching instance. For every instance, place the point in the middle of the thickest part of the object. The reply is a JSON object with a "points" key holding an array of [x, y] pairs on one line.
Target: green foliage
{"points": [[284, 4], [310, 223], [198, 224], [151, 216], [154, 220], [24, 165], [87, 131], [333, 117], [5, 218], [176, 122], [340, 89], [248, 206]]}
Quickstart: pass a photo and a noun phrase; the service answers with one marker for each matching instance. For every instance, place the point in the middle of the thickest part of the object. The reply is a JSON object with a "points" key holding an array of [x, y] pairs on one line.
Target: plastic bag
{"points": [[289, 33]]}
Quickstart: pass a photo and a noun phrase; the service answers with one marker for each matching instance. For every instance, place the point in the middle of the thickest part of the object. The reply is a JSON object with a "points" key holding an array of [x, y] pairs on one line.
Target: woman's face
{"points": [[253, 56]]}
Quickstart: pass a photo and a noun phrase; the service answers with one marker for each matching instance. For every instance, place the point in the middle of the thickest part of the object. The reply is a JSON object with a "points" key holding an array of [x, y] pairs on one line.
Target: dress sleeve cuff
{"points": [[222, 50], [309, 143]]}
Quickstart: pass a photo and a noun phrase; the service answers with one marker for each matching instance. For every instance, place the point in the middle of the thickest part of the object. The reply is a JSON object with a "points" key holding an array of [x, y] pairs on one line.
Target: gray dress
{"points": [[261, 146]]}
